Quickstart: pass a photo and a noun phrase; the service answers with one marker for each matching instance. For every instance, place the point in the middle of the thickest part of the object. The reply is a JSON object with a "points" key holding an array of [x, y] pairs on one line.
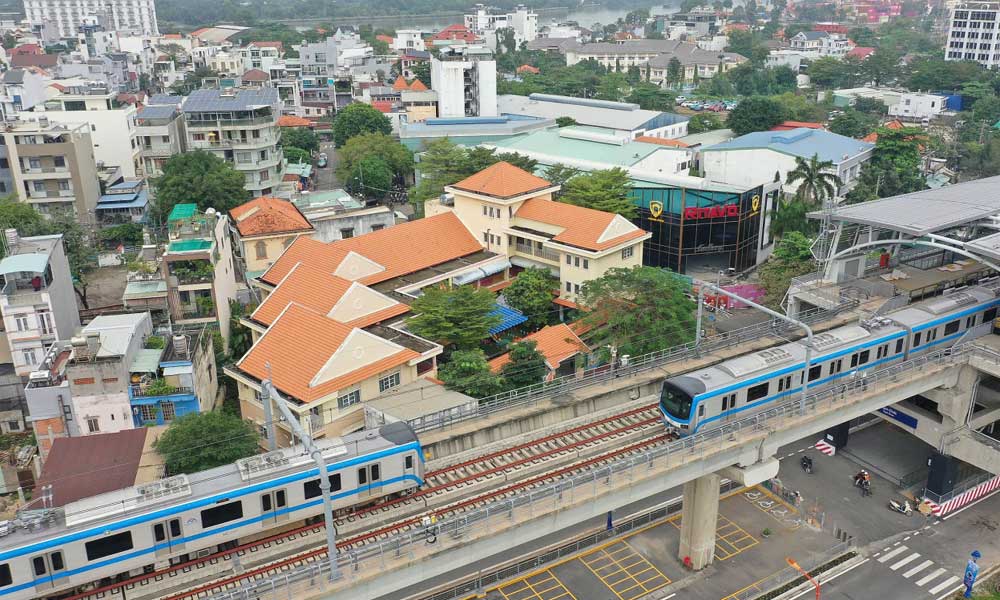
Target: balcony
{"points": [[537, 250], [235, 143], [44, 172], [215, 124], [156, 389]]}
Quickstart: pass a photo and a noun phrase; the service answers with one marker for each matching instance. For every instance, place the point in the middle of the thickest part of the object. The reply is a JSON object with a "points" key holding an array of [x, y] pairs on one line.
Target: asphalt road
{"points": [[326, 178]]}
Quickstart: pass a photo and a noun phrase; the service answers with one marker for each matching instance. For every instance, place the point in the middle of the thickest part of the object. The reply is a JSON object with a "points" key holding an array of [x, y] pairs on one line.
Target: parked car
{"points": [[322, 161]]}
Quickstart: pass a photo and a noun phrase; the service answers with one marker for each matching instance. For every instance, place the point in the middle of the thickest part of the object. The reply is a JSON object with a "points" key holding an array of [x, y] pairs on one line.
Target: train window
{"points": [[407, 462], [265, 502], [815, 372], [989, 315], [108, 545], [5, 577], [335, 482], [952, 327], [781, 384], [701, 410], [969, 322], [279, 498], [932, 335], [376, 472], [757, 392], [57, 561], [916, 340], [899, 346], [854, 360], [362, 476], [863, 357], [38, 565], [788, 382], [159, 534], [224, 513], [175, 528], [311, 488]]}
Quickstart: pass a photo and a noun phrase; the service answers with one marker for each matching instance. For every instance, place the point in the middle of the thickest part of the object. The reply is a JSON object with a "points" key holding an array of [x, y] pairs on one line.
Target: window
{"points": [[576, 261], [148, 412], [29, 357], [989, 315], [60, 162], [362, 476], [34, 163], [970, 322], [376, 472], [39, 186], [260, 248], [224, 513], [576, 288], [108, 545], [854, 360], [349, 399], [378, 227], [569, 287], [586, 264], [815, 372], [863, 357], [265, 503], [916, 340], [346, 233], [5, 578], [899, 345], [22, 322], [407, 462], [388, 382], [169, 414], [64, 186], [952, 327], [14, 425], [92, 425], [311, 488], [569, 259], [757, 392]]}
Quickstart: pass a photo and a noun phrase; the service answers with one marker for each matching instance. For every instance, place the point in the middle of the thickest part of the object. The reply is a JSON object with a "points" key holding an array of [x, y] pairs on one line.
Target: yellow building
{"points": [[264, 227]]}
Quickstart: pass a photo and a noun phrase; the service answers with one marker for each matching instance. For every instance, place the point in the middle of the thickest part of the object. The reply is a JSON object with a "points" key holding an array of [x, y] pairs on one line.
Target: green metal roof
{"points": [[300, 169], [146, 360], [549, 143], [27, 263], [138, 289], [189, 245], [182, 211]]}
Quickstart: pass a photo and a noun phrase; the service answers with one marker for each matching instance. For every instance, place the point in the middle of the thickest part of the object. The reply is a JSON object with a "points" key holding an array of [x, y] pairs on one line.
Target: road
{"points": [[326, 178]]}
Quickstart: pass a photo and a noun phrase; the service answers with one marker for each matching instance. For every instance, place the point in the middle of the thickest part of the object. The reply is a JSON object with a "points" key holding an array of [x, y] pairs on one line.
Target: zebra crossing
{"points": [[924, 574]]}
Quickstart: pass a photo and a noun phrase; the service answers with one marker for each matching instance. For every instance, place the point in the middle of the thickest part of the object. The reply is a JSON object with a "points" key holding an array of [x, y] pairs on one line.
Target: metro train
{"points": [[754, 382], [173, 519]]}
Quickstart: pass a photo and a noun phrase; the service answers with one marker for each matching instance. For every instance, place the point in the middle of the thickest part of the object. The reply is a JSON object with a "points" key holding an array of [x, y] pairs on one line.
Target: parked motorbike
{"points": [[902, 508], [807, 464]]}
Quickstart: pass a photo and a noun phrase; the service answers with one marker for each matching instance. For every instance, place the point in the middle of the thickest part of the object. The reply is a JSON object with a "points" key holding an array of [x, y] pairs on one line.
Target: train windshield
{"points": [[675, 402]]}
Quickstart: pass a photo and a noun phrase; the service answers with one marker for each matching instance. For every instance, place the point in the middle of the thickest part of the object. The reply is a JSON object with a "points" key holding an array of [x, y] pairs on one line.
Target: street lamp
{"points": [[791, 562]]}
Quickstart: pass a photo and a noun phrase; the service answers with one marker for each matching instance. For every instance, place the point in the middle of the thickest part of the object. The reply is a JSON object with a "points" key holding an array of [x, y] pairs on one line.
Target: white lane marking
{"points": [[886, 557], [670, 596], [907, 538], [933, 575], [918, 568], [899, 565], [809, 590], [947, 583]]}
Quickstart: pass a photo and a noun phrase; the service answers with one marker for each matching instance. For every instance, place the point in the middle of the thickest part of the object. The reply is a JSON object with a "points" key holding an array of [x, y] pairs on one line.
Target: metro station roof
{"points": [[927, 211]]}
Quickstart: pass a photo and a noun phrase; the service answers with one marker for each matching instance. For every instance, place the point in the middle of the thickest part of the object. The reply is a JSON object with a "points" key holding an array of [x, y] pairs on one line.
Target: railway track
{"points": [[447, 489]]}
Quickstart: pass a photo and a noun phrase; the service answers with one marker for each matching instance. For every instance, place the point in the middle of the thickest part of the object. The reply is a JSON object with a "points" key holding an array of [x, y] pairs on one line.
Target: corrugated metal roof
{"points": [[24, 263], [162, 111], [801, 142], [511, 318], [79, 467], [182, 211], [238, 100]]}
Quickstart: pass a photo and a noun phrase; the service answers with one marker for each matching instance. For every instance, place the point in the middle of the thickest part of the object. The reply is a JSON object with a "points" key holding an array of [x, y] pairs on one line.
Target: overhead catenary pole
{"points": [[324, 479]]}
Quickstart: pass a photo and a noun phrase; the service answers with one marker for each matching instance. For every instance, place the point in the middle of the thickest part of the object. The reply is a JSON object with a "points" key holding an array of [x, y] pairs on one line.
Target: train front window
{"points": [[675, 402]]}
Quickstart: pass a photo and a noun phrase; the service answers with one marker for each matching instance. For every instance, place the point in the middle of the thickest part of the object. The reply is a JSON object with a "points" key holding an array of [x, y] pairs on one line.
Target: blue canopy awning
{"points": [[510, 316]]}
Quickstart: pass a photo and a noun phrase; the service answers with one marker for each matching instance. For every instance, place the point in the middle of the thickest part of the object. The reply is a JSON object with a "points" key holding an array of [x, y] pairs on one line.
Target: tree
{"points": [[986, 110], [862, 36], [881, 66], [565, 121], [675, 72], [441, 163], [299, 137], [460, 316], [871, 106], [703, 122], [526, 366], [468, 372], [21, 216], [756, 113], [894, 167], [531, 293], [371, 177], [832, 73], [296, 155], [422, 71], [612, 87], [559, 174], [853, 124], [202, 177], [799, 108], [791, 215], [356, 119], [651, 97], [816, 182], [200, 441], [791, 258], [378, 145], [606, 190], [638, 310]]}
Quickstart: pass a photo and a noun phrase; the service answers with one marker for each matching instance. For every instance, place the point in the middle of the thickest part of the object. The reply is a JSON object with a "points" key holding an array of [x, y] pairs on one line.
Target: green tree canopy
{"points": [[791, 215], [300, 137], [526, 366], [565, 121], [379, 145], [756, 113], [833, 73], [201, 177], [606, 190], [872, 106], [468, 372], [371, 177], [894, 167], [559, 174], [651, 97], [296, 155], [791, 258], [358, 118], [816, 180], [200, 441], [638, 310], [459, 316], [531, 293], [854, 124], [703, 122]]}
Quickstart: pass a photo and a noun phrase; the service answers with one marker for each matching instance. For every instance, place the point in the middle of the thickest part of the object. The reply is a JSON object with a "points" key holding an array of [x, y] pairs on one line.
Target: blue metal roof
{"points": [[802, 142], [113, 201], [510, 316], [161, 111]]}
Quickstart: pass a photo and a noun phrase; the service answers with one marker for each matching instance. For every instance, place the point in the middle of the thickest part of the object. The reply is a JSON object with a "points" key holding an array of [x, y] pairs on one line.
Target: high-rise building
{"points": [[66, 16], [486, 22], [465, 79], [973, 33]]}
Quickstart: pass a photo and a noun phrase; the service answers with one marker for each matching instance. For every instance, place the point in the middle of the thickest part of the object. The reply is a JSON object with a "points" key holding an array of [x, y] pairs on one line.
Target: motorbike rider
{"points": [[862, 478], [807, 463]]}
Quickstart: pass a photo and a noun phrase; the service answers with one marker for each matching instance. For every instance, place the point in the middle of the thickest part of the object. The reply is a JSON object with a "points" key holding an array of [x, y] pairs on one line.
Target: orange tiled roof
{"points": [[583, 227], [401, 249], [555, 342], [528, 69], [293, 121], [384, 38], [400, 84], [789, 125], [872, 137], [293, 370], [661, 141], [266, 216], [418, 86], [502, 180], [255, 75]]}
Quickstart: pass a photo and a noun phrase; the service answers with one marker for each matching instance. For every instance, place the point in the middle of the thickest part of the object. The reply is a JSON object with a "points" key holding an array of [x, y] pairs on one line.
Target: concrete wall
{"points": [[259, 253], [328, 229], [112, 132]]}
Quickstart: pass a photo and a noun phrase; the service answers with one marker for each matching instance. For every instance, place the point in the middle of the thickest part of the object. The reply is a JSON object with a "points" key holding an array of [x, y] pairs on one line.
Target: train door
{"points": [[47, 569], [272, 508], [408, 464], [167, 537], [369, 481]]}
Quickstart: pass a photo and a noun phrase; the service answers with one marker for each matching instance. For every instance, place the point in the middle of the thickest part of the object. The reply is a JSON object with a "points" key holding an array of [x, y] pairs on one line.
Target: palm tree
{"points": [[817, 182]]}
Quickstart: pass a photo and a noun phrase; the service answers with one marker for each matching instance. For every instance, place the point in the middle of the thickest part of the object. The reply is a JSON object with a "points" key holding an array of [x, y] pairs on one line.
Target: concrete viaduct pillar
{"points": [[701, 513]]}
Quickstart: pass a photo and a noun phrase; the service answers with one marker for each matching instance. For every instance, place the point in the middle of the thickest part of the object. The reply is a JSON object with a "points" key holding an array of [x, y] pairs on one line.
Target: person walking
{"points": [[971, 573]]}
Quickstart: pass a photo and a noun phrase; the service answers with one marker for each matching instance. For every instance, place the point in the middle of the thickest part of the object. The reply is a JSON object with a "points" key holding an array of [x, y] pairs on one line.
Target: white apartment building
{"points": [[465, 79], [66, 16], [408, 39], [160, 135], [485, 22], [972, 33], [37, 300], [819, 44], [240, 126]]}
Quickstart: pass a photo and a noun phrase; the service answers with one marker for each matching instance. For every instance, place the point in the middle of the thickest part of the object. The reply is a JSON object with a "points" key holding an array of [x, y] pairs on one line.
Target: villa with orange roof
{"points": [[263, 228], [558, 344]]}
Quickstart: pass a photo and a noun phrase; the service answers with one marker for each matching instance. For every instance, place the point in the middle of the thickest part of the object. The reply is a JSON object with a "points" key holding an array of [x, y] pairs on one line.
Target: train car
{"points": [[741, 386], [172, 519]]}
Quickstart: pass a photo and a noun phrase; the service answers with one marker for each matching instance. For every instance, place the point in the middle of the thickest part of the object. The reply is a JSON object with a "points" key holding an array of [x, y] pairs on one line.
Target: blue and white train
{"points": [[171, 520], [742, 386]]}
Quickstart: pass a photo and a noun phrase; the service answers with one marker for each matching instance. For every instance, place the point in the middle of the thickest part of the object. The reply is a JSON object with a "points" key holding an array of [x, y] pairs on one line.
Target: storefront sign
{"points": [[656, 211], [903, 418], [712, 212]]}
